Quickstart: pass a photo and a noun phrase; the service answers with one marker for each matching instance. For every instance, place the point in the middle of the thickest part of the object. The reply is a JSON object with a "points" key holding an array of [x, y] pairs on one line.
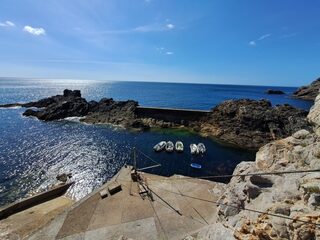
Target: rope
{"points": [[153, 166], [189, 203], [147, 156], [243, 208], [240, 175], [155, 212], [175, 210], [226, 176]]}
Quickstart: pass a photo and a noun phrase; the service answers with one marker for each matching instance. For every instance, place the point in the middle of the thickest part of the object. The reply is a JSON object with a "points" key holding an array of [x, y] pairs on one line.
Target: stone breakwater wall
{"points": [[178, 116], [244, 123]]}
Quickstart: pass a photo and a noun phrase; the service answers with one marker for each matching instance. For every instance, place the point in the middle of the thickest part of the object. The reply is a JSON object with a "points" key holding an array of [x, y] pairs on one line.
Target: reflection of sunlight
{"points": [[39, 151]]}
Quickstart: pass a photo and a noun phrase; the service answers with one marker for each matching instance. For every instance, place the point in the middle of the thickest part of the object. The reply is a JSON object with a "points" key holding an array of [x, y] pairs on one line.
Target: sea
{"points": [[33, 152]]}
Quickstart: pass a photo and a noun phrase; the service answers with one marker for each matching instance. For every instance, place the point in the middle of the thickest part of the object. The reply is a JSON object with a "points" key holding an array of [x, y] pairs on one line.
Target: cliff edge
{"points": [[292, 196]]}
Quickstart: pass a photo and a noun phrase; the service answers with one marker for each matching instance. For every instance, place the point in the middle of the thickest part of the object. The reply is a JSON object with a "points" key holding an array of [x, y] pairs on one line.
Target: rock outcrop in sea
{"points": [[274, 91], [251, 124], [292, 196], [308, 92], [243, 123], [71, 104]]}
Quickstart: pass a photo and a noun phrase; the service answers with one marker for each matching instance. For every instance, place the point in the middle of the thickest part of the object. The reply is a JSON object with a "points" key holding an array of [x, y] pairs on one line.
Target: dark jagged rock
{"points": [[251, 124], [114, 112], [273, 91], [77, 108], [68, 95], [72, 93], [244, 123], [70, 104], [308, 92]]}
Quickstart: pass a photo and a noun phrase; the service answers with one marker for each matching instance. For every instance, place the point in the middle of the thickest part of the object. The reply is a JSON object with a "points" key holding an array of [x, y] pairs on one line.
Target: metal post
{"points": [[134, 159]]}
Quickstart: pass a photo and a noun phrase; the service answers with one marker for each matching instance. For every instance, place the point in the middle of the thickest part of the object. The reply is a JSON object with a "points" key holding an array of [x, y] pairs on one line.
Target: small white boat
{"points": [[201, 148], [169, 146], [194, 148], [179, 146], [159, 146], [196, 165]]}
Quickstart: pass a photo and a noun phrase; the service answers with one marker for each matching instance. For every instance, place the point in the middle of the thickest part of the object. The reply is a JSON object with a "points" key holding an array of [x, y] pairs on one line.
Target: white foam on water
{"points": [[15, 107], [73, 119]]}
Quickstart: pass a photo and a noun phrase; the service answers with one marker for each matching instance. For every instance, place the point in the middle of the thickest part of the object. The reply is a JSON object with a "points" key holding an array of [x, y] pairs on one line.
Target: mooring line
{"points": [[155, 212], [147, 156], [177, 211], [153, 166], [189, 203], [228, 176], [243, 208], [239, 175]]}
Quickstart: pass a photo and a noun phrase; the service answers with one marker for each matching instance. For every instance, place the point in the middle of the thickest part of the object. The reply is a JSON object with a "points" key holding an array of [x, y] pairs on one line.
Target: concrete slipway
{"points": [[171, 215]]}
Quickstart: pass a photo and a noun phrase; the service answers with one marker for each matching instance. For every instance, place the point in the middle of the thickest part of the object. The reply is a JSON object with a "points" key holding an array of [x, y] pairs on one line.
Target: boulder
{"points": [[314, 115], [314, 200], [72, 93], [252, 191], [63, 177]]}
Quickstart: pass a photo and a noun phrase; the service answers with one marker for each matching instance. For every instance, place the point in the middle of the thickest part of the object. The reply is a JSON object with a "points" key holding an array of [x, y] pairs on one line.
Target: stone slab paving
{"points": [[127, 214], [24, 223]]}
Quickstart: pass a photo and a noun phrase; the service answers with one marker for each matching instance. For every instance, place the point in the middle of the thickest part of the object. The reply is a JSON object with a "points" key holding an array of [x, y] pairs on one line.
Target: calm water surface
{"points": [[32, 152]]}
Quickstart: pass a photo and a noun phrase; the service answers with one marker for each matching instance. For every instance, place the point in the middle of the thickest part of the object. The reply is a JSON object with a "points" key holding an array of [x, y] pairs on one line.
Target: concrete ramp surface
{"points": [[125, 214]]}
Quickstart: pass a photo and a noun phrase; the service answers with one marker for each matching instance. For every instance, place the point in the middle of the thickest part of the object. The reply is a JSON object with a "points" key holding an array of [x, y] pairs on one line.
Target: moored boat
{"points": [[196, 165], [169, 146], [201, 148], [194, 148], [179, 146], [159, 146]]}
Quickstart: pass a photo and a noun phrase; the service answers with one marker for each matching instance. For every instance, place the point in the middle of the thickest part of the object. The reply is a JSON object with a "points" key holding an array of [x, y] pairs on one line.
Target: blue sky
{"points": [[265, 42]]}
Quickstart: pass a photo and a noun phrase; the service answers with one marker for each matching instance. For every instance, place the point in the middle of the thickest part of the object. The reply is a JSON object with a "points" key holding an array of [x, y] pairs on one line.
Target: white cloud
{"points": [[7, 24], [34, 31], [164, 51], [152, 28], [170, 26], [254, 42], [264, 36]]}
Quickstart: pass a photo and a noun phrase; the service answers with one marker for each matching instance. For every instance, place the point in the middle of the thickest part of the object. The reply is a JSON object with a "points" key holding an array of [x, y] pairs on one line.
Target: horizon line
{"points": [[145, 81]]}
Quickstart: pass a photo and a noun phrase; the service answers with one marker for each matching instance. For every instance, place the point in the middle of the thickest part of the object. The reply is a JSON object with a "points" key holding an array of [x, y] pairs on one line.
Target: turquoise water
{"points": [[33, 152]]}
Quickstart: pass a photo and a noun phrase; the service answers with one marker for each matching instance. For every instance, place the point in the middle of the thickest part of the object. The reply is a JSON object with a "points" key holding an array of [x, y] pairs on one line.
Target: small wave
{"points": [[14, 107], [73, 119], [29, 117]]}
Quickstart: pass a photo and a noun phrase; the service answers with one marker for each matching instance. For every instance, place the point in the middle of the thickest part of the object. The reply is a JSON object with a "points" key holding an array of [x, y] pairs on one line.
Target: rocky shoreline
{"points": [[309, 92], [293, 196], [243, 123], [292, 138]]}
